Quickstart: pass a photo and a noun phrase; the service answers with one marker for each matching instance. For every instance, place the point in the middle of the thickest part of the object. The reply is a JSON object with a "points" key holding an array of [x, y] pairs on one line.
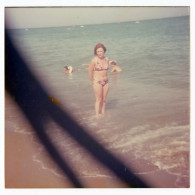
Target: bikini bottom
{"points": [[102, 82]]}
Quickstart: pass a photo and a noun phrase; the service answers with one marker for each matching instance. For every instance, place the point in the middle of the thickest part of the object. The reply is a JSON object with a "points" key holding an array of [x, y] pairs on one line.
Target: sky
{"points": [[36, 17]]}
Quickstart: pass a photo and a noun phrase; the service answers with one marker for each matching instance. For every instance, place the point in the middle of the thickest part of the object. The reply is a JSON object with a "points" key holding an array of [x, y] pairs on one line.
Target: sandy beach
{"points": [[23, 171]]}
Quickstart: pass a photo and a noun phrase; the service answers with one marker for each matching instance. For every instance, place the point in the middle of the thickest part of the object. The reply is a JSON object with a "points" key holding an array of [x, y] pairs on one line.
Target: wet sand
{"points": [[20, 169], [22, 172]]}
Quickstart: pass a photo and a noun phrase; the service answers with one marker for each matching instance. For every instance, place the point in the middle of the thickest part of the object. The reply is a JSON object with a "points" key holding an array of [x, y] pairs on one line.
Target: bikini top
{"points": [[99, 67]]}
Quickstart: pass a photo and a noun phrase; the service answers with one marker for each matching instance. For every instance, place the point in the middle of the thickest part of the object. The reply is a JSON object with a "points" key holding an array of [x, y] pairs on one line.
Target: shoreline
{"points": [[22, 172], [20, 169]]}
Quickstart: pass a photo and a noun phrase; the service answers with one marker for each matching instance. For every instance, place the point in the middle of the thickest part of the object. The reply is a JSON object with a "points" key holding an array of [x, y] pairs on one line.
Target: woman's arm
{"points": [[91, 68]]}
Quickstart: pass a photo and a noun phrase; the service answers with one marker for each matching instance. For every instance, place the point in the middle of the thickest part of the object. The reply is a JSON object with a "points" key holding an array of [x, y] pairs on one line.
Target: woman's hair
{"points": [[99, 45]]}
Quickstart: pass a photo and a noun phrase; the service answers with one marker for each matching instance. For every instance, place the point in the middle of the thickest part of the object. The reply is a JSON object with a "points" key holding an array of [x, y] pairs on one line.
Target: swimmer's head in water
{"points": [[113, 63]]}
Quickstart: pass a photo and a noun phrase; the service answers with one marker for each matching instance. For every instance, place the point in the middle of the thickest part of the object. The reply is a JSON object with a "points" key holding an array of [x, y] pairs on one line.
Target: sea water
{"points": [[147, 110]]}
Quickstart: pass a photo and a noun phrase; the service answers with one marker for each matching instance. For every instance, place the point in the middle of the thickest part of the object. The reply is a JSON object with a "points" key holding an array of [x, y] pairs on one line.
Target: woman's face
{"points": [[100, 52]]}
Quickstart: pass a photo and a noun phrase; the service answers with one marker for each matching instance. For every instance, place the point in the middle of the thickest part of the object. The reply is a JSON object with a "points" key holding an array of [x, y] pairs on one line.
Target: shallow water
{"points": [[147, 116]]}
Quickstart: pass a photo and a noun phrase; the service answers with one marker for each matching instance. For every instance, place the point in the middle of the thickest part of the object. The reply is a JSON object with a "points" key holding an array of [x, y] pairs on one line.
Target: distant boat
{"points": [[26, 29], [81, 26], [137, 22]]}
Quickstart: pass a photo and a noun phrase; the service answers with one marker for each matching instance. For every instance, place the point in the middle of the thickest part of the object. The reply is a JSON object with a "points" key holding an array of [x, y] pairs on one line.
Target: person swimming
{"points": [[115, 67], [68, 69]]}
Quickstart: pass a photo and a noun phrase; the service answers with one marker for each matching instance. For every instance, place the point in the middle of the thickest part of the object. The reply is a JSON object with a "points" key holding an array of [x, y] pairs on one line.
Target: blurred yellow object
{"points": [[55, 101]]}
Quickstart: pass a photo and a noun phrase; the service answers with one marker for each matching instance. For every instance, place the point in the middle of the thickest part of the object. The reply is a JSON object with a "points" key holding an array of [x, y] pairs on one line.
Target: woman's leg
{"points": [[104, 95], [98, 94]]}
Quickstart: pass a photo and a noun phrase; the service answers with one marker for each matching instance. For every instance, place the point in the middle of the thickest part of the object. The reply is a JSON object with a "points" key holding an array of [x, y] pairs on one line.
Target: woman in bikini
{"points": [[98, 69]]}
